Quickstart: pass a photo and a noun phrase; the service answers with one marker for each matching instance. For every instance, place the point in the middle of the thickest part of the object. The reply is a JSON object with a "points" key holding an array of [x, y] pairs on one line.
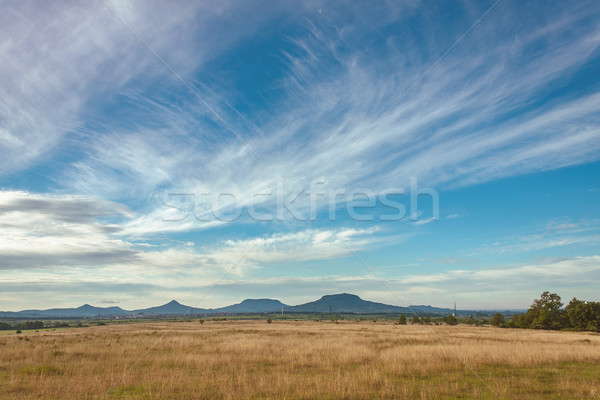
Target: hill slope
{"points": [[171, 308], [345, 303], [252, 306]]}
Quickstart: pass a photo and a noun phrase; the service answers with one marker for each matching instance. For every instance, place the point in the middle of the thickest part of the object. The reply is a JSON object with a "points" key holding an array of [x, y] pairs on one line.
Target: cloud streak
{"points": [[478, 116]]}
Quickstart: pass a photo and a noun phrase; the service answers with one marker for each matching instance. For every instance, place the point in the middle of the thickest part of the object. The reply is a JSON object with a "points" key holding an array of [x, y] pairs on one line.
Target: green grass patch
{"points": [[41, 370]]}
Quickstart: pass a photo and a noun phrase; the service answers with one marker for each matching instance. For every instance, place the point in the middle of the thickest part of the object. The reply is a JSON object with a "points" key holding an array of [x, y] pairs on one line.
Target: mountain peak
{"points": [[345, 302], [341, 296], [247, 301], [253, 305]]}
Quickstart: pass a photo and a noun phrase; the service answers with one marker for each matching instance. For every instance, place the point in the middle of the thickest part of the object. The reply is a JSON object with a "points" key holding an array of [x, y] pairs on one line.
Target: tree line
{"points": [[548, 312], [24, 325]]}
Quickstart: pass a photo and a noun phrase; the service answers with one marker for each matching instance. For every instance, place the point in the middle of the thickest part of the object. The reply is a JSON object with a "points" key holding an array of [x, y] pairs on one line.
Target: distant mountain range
{"points": [[337, 303]]}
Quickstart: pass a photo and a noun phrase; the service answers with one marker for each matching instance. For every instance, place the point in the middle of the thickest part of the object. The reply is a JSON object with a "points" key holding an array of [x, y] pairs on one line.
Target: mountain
{"points": [[346, 303], [252, 306], [350, 303], [336, 303], [171, 308], [85, 310]]}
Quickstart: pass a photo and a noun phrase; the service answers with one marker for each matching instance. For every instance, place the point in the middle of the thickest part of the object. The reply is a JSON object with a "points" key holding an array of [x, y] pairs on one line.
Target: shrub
{"points": [[33, 325], [497, 320], [269, 320], [402, 319]]}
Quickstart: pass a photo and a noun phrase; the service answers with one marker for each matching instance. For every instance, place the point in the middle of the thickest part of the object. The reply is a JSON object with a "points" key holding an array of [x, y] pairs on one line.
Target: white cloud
{"points": [[61, 61], [67, 233], [554, 234], [342, 111], [347, 117]]}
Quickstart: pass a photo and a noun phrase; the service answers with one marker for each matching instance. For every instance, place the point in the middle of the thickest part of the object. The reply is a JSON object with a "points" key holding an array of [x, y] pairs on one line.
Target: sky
{"points": [[410, 152]]}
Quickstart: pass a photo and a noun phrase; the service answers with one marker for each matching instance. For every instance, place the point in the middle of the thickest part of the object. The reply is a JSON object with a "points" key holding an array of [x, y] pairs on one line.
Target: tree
{"points": [[427, 320], [402, 319], [415, 320], [33, 325], [451, 320], [583, 315], [546, 312], [497, 320], [547, 301]]}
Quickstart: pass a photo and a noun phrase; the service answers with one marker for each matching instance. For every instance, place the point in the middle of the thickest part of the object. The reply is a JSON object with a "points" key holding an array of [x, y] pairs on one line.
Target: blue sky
{"points": [[152, 151]]}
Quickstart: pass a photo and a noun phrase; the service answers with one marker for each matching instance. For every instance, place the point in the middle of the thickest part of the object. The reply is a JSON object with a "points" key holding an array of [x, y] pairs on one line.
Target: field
{"points": [[298, 360]]}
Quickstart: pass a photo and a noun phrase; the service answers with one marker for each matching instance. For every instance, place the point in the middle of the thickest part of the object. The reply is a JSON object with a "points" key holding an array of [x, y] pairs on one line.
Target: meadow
{"points": [[236, 359]]}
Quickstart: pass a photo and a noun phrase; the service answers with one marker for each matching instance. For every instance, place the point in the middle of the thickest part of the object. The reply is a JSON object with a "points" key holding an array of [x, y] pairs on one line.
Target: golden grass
{"points": [[298, 360]]}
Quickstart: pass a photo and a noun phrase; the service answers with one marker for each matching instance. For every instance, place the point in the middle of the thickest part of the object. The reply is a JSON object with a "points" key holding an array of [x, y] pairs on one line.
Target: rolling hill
{"points": [[336, 303]]}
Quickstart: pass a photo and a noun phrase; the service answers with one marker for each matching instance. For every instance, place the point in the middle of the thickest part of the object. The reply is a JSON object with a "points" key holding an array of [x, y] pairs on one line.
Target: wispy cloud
{"points": [[315, 91], [507, 287], [67, 233], [555, 234], [62, 62], [458, 127]]}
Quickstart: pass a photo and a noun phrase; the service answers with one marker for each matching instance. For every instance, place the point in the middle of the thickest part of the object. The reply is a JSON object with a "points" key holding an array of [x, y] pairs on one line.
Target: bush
{"points": [[33, 325], [451, 320], [402, 319], [415, 319], [5, 327], [269, 320], [497, 320], [18, 331]]}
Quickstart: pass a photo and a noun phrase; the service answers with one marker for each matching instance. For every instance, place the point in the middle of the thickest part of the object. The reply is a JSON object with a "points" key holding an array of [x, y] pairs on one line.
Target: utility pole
{"points": [[281, 310]]}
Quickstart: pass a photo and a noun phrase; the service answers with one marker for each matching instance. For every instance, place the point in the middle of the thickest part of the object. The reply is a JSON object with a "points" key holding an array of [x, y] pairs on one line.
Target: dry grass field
{"points": [[298, 360]]}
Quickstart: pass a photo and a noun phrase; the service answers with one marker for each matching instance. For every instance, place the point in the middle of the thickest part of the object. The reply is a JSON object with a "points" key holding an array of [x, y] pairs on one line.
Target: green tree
{"points": [[416, 320], [427, 320], [33, 325], [546, 312], [402, 319], [5, 327], [451, 320], [497, 320], [583, 315]]}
